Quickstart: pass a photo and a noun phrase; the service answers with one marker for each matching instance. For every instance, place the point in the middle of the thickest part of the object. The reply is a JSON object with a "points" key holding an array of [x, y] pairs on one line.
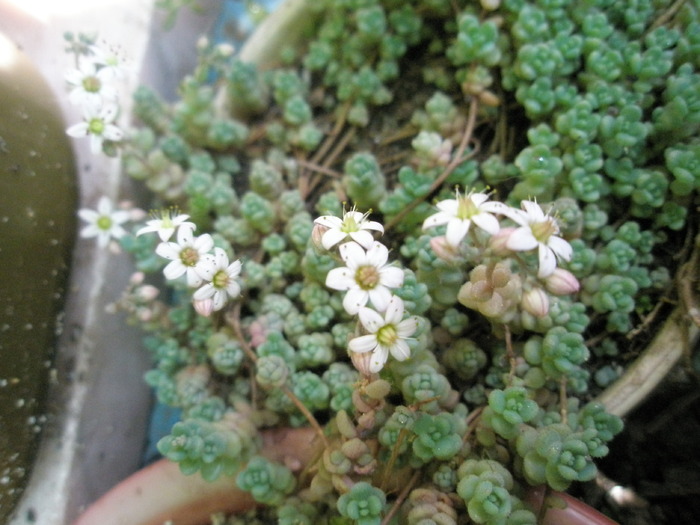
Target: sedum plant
{"points": [[432, 234]]}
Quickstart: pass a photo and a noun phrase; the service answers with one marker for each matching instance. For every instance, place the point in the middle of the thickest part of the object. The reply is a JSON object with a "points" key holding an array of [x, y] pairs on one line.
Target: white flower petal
{"points": [[391, 276], [340, 279], [487, 222], [370, 319], [521, 240], [332, 237], [380, 297], [478, 198], [379, 357], [363, 343], [407, 327], [233, 289], [185, 235], [88, 215], [352, 254], [533, 211], [377, 254], [438, 219], [329, 221], [354, 300], [219, 299], [168, 250], [548, 261], [394, 310], [91, 230], [449, 206], [560, 247], [193, 278], [361, 237], [456, 230], [174, 269], [113, 133], [400, 350], [204, 243], [373, 225], [78, 130], [205, 292]]}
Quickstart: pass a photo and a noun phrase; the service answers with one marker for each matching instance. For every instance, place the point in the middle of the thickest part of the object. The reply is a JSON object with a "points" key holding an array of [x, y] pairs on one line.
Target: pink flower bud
{"points": [[137, 277], [444, 249], [497, 243], [204, 307], [562, 282], [535, 302], [147, 293], [362, 361], [316, 236]]}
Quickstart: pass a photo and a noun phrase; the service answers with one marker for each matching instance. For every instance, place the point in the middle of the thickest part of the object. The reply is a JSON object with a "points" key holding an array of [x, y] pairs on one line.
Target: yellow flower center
{"points": [[220, 279], [542, 231], [92, 84], [466, 208], [387, 335], [104, 223], [349, 225], [96, 126], [189, 256], [367, 277]]}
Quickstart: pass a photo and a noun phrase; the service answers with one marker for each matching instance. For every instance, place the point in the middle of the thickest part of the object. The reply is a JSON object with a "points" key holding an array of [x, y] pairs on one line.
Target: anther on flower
{"points": [[387, 334], [223, 277], [538, 230], [164, 223], [460, 212], [366, 276], [104, 223], [186, 255], [353, 225]]}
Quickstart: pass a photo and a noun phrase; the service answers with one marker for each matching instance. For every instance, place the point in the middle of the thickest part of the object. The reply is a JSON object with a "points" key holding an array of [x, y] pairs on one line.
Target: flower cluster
{"points": [[92, 88], [531, 229], [368, 279], [214, 277], [205, 266]]}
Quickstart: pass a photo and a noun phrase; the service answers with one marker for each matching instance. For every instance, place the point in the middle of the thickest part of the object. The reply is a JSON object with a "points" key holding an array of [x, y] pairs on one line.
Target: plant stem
{"points": [[400, 499], [234, 320], [459, 157]]}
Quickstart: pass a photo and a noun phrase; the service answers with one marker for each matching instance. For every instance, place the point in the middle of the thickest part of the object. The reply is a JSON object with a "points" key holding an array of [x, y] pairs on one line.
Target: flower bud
{"points": [[362, 362], [147, 293], [562, 282], [444, 249], [204, 307], [317, 235], [497, 243], [535, 302]]}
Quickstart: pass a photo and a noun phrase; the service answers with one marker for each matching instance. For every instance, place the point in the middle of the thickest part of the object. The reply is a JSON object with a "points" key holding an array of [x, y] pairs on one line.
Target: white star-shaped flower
{"points": [[110, 65], [353, 224], [187, 255], [90, 84], [165, 224], [366, 277], [104, 223], [387, 335], [538, 230], [97, 124], [223, 279], [460, 212]]}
